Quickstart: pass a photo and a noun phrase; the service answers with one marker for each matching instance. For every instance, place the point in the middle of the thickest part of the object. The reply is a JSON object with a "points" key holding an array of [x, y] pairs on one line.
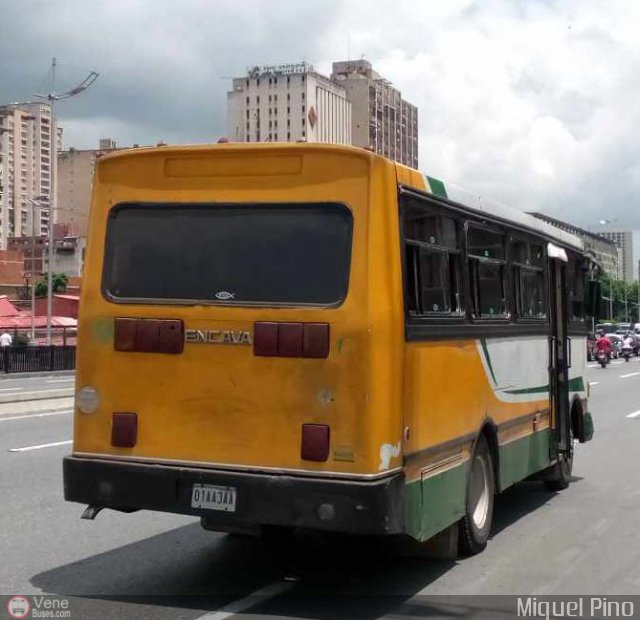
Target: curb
{"points": [[38, 395], [31, 375]]}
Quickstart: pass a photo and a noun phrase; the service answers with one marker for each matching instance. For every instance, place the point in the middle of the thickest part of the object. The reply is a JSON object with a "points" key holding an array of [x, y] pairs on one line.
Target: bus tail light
{"points": [[124, 430], [315, 442], [272, 339], [148, 335]]}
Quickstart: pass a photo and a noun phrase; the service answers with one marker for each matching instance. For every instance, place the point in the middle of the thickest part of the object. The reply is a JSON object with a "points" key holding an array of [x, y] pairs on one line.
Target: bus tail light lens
{"points": [[124, 430], [291, 339], [315, 442], [316, 340], [265, 339]]}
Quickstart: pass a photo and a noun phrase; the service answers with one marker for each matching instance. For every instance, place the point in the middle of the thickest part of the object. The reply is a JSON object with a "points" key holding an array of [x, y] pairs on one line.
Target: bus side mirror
{"points": [[593, 298]]}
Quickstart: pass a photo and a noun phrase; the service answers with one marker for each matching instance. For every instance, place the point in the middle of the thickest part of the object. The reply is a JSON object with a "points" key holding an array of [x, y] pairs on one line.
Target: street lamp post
{"points": [[33, 202], [52, 97]]}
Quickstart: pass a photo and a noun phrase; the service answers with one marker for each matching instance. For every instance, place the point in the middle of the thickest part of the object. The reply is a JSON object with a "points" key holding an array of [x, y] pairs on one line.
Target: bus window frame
{"points": [[107, 250], [456, 316]]}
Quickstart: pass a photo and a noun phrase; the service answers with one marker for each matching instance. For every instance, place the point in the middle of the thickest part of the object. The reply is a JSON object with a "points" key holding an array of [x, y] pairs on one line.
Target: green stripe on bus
{"points": [[433, 504], [483, 342], [575, 385], [522, 457], [437, 187]]}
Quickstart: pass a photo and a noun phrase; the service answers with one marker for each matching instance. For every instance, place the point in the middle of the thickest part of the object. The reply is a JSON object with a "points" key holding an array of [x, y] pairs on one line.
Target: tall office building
{"points": [[381, 118], [624, 240], [287, 103], [29, 140]]}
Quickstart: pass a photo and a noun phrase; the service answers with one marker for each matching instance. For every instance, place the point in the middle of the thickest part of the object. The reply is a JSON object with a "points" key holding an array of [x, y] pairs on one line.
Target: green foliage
{"points": [[59, 282], [619, 298]]}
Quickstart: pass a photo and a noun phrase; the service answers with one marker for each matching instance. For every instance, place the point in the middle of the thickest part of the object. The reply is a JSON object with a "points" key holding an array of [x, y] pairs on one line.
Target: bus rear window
{"points": [[287, 254]]}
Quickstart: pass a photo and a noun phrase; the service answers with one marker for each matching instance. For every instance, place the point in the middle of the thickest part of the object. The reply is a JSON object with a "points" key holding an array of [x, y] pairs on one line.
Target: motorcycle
{"points": [[603, 358], [626, 353]]}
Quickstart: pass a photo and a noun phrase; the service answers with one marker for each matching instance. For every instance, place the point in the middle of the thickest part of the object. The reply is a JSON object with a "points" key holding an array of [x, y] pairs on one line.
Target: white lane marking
{"points": [[631, 374], [35, 415], [635, 414], [42, 445], [255, 598], [592, 365], [60, 380], [594, 383], [11, 389]]}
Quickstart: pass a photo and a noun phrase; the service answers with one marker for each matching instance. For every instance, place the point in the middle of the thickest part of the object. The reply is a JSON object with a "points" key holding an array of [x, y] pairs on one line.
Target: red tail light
{"points": [[148, 335], [315, 442], [291, 339], [124, 430]]}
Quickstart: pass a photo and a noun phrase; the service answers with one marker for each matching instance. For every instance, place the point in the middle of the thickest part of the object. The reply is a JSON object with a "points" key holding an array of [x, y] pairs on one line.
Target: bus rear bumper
{"points": [[371, 507]]}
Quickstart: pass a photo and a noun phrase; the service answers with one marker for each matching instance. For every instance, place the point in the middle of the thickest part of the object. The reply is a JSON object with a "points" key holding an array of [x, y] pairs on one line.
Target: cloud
{"points": [[531, 103]]}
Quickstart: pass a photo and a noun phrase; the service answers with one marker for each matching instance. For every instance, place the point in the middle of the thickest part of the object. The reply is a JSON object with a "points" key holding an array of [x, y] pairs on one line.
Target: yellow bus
{"points": [[314, 336]]}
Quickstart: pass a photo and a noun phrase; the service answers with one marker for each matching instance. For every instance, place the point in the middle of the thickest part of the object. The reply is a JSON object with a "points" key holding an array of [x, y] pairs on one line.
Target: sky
{"points": [[533, 103]]}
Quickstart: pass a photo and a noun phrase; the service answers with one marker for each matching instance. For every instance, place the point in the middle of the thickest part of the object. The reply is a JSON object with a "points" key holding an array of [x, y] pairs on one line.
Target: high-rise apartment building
{"points": [[29, 140], [287, 103], [624, 240], [381, 118]]}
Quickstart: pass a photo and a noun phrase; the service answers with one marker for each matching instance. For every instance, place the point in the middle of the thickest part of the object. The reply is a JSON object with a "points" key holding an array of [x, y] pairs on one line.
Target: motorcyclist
{"points": [[627, 343], [604, 344]]}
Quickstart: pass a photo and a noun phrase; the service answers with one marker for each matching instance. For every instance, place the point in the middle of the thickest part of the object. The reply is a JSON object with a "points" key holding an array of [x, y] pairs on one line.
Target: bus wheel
{"points": [[475, 526], [560, 475]]}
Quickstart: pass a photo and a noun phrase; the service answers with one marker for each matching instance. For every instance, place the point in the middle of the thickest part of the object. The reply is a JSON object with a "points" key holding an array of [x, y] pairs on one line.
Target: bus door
{"points": [[559, 353]]}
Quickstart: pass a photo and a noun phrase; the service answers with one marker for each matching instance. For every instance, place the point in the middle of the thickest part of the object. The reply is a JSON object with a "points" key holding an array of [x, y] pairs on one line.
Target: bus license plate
{"points": [[213, 498]]}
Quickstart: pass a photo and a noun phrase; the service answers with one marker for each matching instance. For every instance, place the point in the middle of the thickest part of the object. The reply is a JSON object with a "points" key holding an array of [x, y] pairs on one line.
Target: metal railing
{"points": [[37, 358]]}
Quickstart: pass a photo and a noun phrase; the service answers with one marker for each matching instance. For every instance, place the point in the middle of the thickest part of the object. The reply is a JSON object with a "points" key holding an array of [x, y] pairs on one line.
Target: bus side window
{"points": [[487, 272], [528, 279], [432, 262], [576, 275]]}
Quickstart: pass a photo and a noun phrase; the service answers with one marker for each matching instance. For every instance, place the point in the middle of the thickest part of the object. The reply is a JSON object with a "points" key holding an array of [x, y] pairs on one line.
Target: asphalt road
{"points": [[584, 540], [14, 385]]}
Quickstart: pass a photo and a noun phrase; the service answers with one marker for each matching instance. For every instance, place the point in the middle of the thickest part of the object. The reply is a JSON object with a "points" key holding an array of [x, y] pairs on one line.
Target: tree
{"points": [[58, 280]]}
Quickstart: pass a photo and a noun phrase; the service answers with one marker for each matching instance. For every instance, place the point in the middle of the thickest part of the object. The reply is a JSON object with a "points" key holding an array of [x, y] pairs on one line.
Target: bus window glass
{"points": [[489, 289], [485, 243], [239, 254], [423, 224], [576, 276], [531, 298], [432, 261]]}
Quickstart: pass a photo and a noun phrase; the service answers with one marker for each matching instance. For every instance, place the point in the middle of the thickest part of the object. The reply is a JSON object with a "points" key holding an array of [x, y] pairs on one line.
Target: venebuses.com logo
{"points": [[41, 606], [18, 607]]}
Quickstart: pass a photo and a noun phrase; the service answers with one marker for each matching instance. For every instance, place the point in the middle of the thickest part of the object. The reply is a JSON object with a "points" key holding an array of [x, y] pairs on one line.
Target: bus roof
{"points": [[454, 193]]}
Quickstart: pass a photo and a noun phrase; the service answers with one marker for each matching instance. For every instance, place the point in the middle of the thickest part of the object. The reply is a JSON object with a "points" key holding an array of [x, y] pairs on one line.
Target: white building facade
{"points": [[287, 103], [29, 140]]}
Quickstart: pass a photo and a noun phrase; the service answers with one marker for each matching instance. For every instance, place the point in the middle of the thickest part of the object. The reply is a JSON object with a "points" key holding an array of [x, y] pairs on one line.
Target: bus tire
{"points": [[559, 476], [475, 526]]}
